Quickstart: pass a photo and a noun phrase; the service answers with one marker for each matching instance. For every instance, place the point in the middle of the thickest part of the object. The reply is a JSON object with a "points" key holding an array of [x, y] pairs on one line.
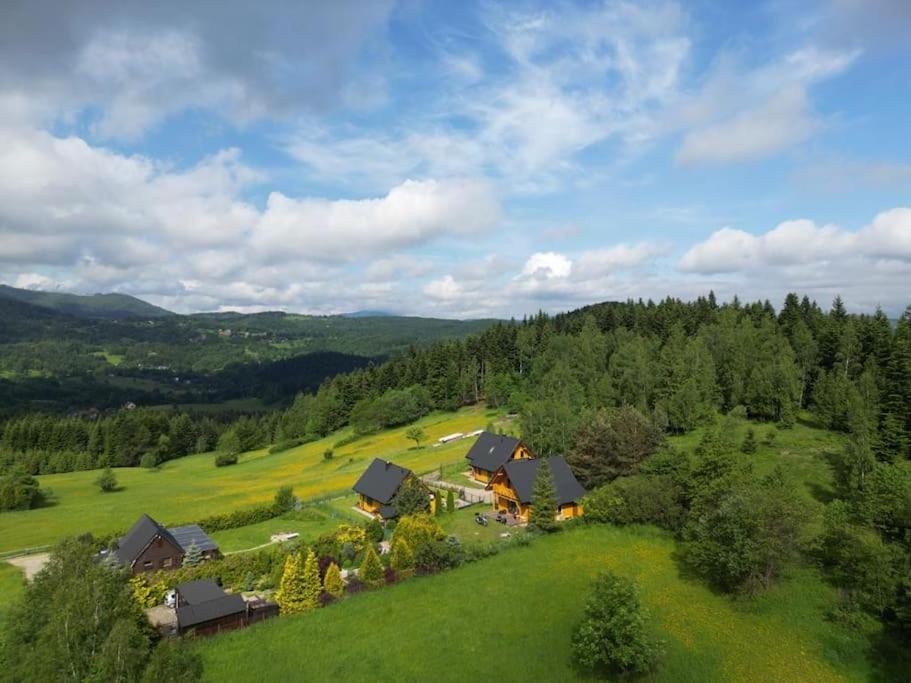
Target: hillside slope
{"points": [[93, 306]]}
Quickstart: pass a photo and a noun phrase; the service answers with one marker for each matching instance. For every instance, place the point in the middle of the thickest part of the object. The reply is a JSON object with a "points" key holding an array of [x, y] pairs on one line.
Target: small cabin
{"points": [[514, 483], [491, 451], [378, 486], [204, 609]]}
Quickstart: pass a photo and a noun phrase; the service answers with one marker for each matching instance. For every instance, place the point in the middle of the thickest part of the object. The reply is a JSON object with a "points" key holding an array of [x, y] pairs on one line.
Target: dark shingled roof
{"points": [[193, 615], [381, 480], [190, 534], [201, 590], [207, 602], [491, 451], [523, 473], [138, 538]]}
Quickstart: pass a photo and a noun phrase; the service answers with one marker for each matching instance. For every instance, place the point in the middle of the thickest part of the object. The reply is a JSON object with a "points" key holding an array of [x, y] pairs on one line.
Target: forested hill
{"points": [[56, 355], [95, 306]]}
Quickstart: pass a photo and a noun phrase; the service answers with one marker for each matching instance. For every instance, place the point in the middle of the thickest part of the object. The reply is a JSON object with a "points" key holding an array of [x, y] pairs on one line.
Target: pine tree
{"points": [[544, 500], [311, 585], [371, 571], [193, 556], [402, 559], [333, 583]]}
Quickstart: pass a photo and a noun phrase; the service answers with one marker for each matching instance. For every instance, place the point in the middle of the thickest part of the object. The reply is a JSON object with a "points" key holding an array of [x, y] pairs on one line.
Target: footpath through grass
{"points": [[191, 488], [510, 618]]}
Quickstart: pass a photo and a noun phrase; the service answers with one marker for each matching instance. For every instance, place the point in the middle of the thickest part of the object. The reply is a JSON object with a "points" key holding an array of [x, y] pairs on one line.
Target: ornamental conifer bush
{"points": [[292, 594], [333, 583], [450, 501], [311, 585], [371, 571], [401, 559]]}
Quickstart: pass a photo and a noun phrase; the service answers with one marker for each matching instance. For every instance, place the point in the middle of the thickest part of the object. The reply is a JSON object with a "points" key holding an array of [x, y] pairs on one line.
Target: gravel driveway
{"points": [[30, 564]]}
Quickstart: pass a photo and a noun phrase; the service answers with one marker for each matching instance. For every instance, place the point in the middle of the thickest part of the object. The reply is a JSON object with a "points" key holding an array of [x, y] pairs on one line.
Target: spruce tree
{"points": [[371, 571], [749, 443], [193, 556], [333, 583], [543, 500], [106, 481]]}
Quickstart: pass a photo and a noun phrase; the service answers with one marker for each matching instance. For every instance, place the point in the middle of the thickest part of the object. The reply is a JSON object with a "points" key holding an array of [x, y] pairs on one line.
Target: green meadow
{"points": [[191, 488], [510, 618], [12, 583]]}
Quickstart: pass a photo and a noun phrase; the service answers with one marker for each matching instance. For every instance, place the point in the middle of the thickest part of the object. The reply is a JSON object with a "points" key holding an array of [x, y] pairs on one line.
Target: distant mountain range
{"points": [[67, 351], [91, 306]]}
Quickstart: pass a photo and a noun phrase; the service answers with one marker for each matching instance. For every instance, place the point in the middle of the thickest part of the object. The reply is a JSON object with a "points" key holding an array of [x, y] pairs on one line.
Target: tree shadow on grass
{"points": [[809, 421], [686, 572], [821, 493], [890, 658]]}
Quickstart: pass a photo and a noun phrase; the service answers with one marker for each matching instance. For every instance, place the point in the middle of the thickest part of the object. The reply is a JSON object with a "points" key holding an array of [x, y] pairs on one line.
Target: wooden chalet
{"points": [[513, 487], [491, 451], [378, 486], [148, 546]]}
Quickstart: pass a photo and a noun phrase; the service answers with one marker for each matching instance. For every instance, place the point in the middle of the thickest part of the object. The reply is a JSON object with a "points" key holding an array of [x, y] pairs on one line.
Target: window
{"points": [[166, 562], [147, 565]]}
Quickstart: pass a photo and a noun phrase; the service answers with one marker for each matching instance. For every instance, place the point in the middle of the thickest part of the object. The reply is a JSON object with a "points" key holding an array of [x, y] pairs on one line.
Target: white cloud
{"points": [[744, 114], [410, 214], [133, 65], [778, 124], [547, 265], [444, 289], [566, 79], [801, 243]]}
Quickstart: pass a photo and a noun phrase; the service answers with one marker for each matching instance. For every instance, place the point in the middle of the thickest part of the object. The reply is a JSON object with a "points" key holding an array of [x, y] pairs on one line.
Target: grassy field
{"points": [[190, 488], [310, 523], [12, 583], [510, 617]]}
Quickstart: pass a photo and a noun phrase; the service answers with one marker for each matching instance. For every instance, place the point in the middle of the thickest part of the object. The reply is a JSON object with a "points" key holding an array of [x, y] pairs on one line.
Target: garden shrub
{"points": [[225, 459], [371, 571]]}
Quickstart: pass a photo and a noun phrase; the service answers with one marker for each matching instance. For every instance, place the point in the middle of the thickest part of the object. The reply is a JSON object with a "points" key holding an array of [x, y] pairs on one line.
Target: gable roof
{"points": [[381, 480], [202, 590], [190, 534], [206, 602], [523, 473], [491, 451], [138, 538]]}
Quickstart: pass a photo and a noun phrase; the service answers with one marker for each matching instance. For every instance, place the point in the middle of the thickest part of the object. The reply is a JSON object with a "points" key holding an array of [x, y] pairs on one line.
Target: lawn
{"points": [[190, 488], [510, 618], [461, 524], [12, 582], [310, 522]]}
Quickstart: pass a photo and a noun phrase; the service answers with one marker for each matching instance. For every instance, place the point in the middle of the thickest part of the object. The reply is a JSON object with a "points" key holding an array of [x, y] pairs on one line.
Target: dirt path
{"points": [[30, 564]]}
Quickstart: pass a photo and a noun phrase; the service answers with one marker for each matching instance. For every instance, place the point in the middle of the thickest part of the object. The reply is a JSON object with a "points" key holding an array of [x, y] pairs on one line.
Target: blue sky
{"points": [[456, 159]]}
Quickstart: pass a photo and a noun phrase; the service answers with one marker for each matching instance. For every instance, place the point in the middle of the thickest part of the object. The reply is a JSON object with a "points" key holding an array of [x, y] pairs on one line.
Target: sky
{"points": [[456, 159]]}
